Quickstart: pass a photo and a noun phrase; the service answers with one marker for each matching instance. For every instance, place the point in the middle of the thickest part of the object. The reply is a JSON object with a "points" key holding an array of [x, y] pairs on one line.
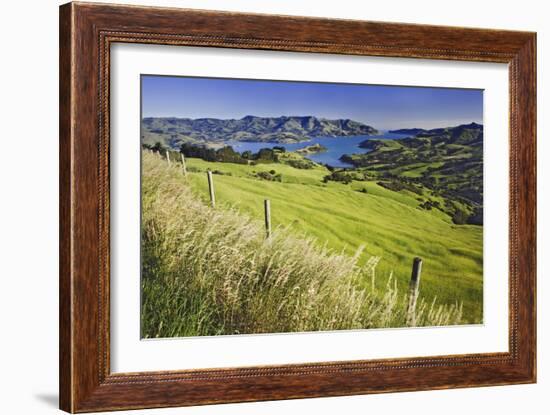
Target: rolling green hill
{"points": [[447, 161], [212, 271], [343, 217]]}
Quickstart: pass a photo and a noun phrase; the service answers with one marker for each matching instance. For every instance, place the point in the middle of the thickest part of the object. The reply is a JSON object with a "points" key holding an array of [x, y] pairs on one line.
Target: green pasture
{"points": [[388, 224]]}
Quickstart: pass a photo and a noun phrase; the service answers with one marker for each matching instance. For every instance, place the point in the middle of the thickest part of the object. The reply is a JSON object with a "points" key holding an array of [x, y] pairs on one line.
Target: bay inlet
{"points": [[335, 147]]}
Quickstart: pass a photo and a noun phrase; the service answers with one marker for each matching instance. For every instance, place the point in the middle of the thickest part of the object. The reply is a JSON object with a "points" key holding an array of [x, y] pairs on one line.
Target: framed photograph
{"points": [[260, 207]]}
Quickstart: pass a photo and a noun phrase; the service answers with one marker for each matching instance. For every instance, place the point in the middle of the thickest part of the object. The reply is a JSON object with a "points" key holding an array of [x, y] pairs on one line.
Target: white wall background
{"points": [[29, 207]]}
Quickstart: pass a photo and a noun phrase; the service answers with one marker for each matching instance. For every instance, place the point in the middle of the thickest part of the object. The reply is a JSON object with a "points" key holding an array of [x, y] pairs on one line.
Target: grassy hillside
{"points": [[448, 161], [210, 271], [388, 223]]}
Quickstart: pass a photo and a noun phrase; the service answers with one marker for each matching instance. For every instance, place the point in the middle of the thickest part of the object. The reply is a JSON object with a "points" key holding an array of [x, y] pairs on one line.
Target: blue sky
{"points": [[383, 107]]}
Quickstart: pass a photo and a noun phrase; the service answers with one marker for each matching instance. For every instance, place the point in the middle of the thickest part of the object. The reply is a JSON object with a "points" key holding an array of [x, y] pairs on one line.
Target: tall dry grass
{"points": [[211, 271]]}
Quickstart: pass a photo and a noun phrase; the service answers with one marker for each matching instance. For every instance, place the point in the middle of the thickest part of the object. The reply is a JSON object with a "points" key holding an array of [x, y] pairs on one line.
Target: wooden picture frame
{"points": [[86, 33]]}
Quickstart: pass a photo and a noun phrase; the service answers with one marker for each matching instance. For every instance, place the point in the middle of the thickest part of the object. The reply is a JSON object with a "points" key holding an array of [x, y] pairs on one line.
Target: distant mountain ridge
{"points": [[408, 131], [421, 132], [173, 131]]}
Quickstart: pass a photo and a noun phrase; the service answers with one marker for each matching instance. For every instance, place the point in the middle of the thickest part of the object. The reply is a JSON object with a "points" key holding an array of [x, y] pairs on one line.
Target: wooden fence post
{"points": [[211, 188], [413, 292], [267, 209], [183, 164], [168, 157]]}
